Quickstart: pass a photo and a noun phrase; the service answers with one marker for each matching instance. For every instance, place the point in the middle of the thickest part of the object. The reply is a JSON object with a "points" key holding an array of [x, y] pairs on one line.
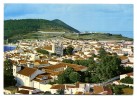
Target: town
{"points": [[71, 67]]}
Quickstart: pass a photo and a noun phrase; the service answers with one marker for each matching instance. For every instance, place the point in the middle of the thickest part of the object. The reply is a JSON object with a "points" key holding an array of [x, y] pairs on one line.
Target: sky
{"points": [[84, 17]]}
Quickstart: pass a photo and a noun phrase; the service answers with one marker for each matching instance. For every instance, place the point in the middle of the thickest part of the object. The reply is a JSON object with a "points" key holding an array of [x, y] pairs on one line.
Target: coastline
{"points": [[10, 45]]}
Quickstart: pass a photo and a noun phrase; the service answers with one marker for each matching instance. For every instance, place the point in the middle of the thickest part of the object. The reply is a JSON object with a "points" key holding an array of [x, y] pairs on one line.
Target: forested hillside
{"points": [[24, 26]]}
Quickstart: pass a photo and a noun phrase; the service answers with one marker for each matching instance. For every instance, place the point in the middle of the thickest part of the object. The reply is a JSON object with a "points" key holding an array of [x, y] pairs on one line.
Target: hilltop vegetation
{"points": [[96, 36], [34, 29], [24, 26]]}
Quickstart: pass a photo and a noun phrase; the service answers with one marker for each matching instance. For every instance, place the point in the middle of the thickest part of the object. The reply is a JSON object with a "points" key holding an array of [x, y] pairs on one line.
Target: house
{"points": [[57, 87], [54, 48], [25, 75], [124, 59], [28, 90], [77, 88]]}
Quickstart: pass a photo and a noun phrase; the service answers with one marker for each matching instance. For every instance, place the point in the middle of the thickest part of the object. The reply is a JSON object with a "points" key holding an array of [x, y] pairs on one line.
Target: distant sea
{"points": [[9, 48]]}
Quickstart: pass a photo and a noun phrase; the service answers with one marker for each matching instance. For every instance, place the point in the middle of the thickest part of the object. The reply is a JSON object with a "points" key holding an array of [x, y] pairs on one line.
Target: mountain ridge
{"points": [[24, 26]]}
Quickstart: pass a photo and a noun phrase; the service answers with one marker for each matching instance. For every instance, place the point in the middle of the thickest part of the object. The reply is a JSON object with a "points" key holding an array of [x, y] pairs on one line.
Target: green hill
{"points": [[97, 36], [24, 26]]}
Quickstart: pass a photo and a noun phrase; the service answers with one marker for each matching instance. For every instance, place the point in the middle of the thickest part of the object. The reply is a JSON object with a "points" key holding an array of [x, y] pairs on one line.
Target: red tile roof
{"points": [[26, 87], [48, 47], [123, 57], [98, 89], [23, 92], [59, 86], [130, 74], [74, 66], [27, 71]]}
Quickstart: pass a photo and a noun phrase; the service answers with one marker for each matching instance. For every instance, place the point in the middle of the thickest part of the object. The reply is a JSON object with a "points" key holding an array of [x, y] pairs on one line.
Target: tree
{"points": [[74, 77], [127, 79], [60, 91], [68, 71], [117, 90], [8, 75], [53, 54], [43, 51], [132, 49], [8, 67], [87, 79], [124, 70], [61, 79], [47, 93], [68, 50], [68, 61], [109, 66], [95, 79], [102, 52]]}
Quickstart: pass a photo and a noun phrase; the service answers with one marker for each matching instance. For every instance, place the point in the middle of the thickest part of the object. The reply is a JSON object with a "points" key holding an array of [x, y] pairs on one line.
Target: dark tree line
{"points": [[127, 80], [68, 50], [42, 51], [8, 74]]}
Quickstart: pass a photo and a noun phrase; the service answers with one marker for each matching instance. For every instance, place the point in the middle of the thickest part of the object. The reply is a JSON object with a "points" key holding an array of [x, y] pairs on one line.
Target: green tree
{"points": [[68, 50], [74, 77], [87, 79], [127, 80], [109, 66], [8, 67], [43, 51], [117, 90], [68, 71], [61, 79], [8, 74], [47, 93], [95, 79], [60, 91], [68, 61], [102, 52]]}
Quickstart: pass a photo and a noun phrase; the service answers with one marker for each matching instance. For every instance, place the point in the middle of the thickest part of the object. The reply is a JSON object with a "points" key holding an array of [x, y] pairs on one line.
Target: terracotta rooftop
{"points": [[79, 93], [75, 66], [59, 86], [48, 47], [98, 89], [22, 61], [42, 62], [26, 87], [123, 57], [71, 86], [130, 74], [27, 71], [23, 92]]}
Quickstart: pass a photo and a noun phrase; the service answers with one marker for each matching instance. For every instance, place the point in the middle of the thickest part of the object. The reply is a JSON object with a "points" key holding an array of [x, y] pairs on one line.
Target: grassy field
{"points": [[93, 36], [96, 36]]}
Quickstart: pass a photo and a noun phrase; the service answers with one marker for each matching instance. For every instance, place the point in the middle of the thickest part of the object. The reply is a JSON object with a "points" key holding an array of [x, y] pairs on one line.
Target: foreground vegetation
{"points": [[106, 67], [8, 74]]}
